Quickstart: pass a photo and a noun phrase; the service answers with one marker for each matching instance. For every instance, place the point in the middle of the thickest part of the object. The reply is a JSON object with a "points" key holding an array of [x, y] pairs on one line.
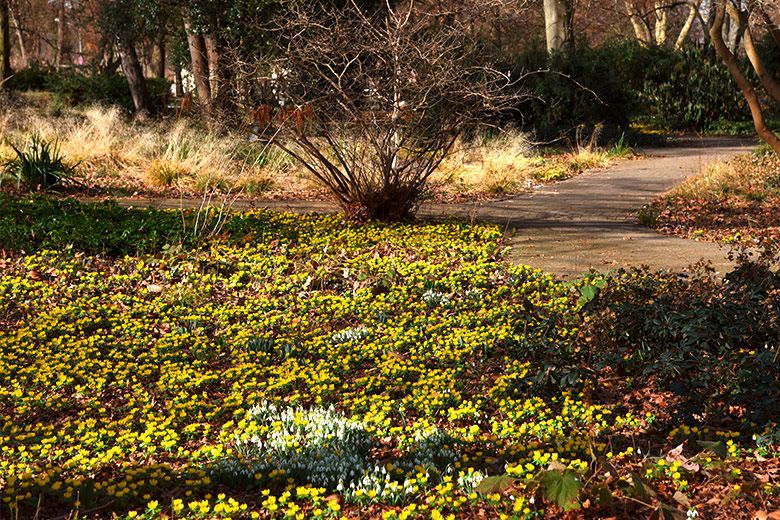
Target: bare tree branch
{"points": [[370, 103], [716, 33]]}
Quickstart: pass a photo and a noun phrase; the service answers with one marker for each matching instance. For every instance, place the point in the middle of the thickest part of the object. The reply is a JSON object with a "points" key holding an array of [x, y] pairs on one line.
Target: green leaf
{"points": [[496, 484], [562, 488], [644, 491], [589, 292], [602, 495], [718, 448]]}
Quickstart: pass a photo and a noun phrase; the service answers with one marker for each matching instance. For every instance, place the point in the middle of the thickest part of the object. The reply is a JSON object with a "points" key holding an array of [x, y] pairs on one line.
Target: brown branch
{"points": [[771, 26], [391, 91], [769, 84], [686, 29], [716, 33]]}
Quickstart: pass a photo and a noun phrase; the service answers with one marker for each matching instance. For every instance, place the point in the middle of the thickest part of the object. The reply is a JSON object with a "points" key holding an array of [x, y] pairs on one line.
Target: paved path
{"points": [[589, 221], [584, 222]]}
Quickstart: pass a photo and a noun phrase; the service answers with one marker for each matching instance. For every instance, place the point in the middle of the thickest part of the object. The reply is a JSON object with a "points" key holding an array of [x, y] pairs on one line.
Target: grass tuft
{"points": [[121, 156], [257, 185], [164, 172]]}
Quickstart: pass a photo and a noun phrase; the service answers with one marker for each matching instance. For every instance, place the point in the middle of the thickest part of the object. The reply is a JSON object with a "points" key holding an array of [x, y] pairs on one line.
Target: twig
{"points": [[87, 511]]}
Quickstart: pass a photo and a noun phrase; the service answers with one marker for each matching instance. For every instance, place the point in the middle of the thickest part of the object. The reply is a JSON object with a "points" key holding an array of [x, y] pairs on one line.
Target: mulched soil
{"points": [[729, 220], [745, 210]]}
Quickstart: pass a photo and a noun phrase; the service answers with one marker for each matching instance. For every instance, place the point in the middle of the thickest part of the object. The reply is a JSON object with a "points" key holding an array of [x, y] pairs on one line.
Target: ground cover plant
{"points": [[39, 167], [180, 158], [732, 201], [305, 367]]}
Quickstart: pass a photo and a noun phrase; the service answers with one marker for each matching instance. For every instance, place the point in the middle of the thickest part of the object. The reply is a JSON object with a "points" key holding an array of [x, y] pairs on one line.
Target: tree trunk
{"points": [[136, 81], [732, 34], [145, 58], [178, 83], [110, 63], [705, 28], [158, 68], [101, 56], [225, 80], [641, 30], [686, 29], [213, 57], [556, 21], [38, 47], [60, 34], [716, 34], [766, 79], [661, 15], [22, 49], [200, 67], [5, 44]]}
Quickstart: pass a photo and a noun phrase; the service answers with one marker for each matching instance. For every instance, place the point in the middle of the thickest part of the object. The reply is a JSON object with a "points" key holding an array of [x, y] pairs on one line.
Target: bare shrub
{"points": [[371, 103]]}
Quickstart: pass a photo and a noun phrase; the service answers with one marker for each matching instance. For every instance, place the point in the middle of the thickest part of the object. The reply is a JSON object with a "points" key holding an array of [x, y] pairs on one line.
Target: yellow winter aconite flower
{"points": [[113, 389]]}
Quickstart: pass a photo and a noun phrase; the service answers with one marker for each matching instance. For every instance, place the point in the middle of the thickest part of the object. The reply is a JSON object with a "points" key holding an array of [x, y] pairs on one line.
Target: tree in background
{"points": [[123, 20], [5, 44], [558, 19], [200, 65], [652, 21], [742, 17], [23, 60], [229, 49], [221, 40]]}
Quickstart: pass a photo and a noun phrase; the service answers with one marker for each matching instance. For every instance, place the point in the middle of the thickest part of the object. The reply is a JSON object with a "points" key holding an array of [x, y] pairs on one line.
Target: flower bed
{"points": [[305, 367]]}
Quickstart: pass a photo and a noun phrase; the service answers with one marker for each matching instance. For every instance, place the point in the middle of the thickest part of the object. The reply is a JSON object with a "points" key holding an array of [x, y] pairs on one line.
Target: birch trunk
{"points": [[661, 15], [555, 20], [686, 29], [641, 31]]}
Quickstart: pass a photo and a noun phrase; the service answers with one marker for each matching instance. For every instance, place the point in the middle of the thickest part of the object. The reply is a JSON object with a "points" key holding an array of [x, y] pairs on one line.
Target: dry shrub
{"points": [[102, 133], [587, 159], [716, 180], [164, 172], [112, 150], [214, 182], [257, 184], [375, 100]]}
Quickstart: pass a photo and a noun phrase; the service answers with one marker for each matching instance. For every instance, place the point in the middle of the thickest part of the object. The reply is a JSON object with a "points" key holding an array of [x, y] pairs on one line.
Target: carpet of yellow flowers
{"points": [[350, 371]]}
